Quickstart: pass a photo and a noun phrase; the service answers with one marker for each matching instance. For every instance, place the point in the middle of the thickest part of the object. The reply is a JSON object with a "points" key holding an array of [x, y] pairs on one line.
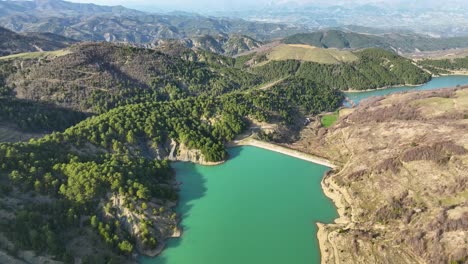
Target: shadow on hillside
{"points": [[193, 188]]}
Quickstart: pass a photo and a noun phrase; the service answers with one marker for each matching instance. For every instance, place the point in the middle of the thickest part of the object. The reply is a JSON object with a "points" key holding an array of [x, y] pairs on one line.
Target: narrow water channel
{"points": [[436, 83]]}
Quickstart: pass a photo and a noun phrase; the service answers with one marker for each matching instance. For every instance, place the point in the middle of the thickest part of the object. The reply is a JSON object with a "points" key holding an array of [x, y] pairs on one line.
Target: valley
{"points": [[135, 137]]}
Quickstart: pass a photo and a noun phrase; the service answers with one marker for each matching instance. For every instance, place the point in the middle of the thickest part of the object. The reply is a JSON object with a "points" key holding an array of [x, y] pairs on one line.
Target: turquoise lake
{"points": [[258, 207], [435, 83]]}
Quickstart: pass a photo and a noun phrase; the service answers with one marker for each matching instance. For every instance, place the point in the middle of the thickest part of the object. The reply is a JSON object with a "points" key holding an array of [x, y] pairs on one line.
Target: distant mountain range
{"points": [[401, 43], [61, 8], [11, 42], [119, 24], [227, 36], [437, 18], [221, 44]]}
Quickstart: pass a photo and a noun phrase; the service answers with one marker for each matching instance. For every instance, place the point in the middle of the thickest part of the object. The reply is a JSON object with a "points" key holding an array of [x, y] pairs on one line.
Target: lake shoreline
{"points": [[460, 73], [384, 87], [334, 193], [328, 252], [455, 73], [249, 142], [283, 150]]}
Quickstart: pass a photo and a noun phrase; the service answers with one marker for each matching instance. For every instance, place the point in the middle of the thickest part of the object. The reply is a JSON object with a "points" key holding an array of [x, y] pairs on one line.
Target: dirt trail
{"points": [[271, 84]]}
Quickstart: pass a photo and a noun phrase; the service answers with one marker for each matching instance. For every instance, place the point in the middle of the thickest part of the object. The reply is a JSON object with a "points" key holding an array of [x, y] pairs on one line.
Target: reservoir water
{"points": [[435, 83], [260, 207]]}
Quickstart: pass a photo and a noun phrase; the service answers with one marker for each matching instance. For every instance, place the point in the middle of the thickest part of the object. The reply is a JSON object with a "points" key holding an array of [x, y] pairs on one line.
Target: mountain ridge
{"points": [[228, 45], [118, 24], [402, 43], [60, 7], [13, 43]]}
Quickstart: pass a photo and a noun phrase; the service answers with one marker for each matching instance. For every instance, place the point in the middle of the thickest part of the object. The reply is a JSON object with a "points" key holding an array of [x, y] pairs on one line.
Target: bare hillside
{"points": [[402, 186]]}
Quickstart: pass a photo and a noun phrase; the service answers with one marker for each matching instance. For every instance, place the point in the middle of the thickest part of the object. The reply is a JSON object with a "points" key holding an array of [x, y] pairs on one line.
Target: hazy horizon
{"points": [[224, 5]]}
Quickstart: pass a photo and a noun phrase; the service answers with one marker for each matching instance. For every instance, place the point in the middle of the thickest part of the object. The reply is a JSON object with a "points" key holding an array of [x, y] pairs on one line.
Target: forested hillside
{"points": [[32, 116], [374, 68], [445, 66], [110, 157], [98, 77], [102, 189]]}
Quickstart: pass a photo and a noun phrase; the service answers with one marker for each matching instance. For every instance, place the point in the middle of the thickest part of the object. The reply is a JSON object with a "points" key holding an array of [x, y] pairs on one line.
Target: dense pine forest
{"points": [[375, 68], [116, 114], [445, 66]]}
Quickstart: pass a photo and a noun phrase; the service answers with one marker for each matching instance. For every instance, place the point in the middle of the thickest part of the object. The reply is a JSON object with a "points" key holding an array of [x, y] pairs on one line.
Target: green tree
{"points": [[125, 247]]}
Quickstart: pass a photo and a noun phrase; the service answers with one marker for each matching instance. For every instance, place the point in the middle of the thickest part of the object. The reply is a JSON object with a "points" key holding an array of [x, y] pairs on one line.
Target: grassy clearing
{"points": [[36, 55], [329, 120], [436, 106], [462, 99], [310, 53], [454, 200]]}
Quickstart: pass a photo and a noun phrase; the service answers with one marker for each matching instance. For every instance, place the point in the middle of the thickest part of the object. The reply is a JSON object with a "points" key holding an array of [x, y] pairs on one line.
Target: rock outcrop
{"points": [[174, 151]]}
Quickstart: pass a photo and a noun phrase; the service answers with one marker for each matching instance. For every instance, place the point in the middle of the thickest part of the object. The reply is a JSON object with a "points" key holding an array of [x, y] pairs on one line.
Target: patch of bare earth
{"points": [[401, 187]]}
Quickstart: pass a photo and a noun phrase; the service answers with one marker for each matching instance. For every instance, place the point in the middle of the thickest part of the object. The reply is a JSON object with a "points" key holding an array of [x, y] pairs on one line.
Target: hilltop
{"points": [[88, 130], [282, 52], [12, 43]]}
